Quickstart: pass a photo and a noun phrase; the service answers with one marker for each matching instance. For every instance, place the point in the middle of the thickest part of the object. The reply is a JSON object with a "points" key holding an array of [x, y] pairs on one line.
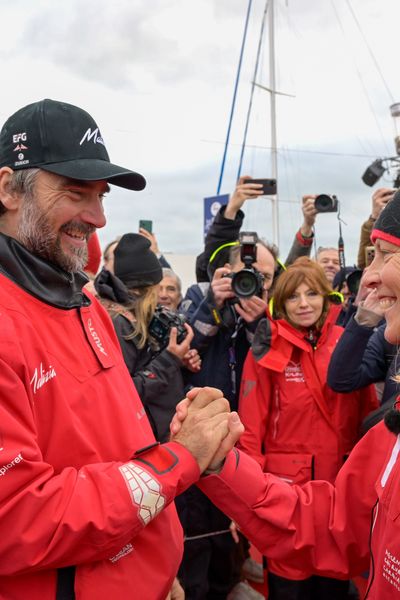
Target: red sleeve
{"points": [[50, 519], [254, 401], [321, 527]]}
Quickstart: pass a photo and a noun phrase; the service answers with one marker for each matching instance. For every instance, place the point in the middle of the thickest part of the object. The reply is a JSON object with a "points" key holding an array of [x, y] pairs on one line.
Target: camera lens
{"points": [[245, 284], [323, 202]]}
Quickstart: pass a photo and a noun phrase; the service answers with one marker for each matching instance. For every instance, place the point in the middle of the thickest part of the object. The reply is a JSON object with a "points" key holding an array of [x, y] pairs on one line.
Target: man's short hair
{"points": [[170, 273]]}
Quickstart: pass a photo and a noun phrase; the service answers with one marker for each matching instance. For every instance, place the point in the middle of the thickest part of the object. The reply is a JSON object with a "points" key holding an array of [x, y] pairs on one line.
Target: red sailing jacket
{"points": [[322, 528], [296, 427], [72, 491]]}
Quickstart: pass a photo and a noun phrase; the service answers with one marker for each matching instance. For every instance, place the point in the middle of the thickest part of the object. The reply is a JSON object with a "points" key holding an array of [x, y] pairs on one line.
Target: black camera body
{"points": [[247, 282], [326, 204], [161, 324]]}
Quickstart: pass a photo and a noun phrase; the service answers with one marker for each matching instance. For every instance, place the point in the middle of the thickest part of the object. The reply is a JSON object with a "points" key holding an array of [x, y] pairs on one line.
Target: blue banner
{"points": [[211, 207]]}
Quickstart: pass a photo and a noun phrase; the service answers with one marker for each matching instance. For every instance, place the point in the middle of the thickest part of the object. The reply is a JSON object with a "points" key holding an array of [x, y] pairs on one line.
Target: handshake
{"points": [[204, 424]]}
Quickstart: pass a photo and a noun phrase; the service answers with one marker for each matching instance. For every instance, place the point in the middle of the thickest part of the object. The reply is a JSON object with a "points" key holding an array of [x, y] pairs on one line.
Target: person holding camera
{"points": [[296, 427], [223, 325], [327, 257], [228, 222], [155, 343]]}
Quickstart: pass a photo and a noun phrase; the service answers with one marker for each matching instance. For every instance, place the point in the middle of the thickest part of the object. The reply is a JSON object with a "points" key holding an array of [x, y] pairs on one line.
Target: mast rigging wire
{"points": [[234, 97]]}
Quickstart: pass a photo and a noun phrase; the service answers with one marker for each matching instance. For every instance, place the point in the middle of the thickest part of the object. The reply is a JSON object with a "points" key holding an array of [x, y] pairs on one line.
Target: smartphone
{"points": [[369, 255], [269, 185], [147, 225]]}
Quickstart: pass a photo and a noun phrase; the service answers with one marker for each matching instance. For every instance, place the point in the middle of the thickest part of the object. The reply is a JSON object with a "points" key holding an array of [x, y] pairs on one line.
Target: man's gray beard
{"points": [[35, 232]]}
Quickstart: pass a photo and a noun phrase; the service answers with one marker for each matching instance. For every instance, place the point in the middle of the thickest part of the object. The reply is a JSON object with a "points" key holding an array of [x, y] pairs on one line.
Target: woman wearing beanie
{"points": [[296, 427], [130, 296]]}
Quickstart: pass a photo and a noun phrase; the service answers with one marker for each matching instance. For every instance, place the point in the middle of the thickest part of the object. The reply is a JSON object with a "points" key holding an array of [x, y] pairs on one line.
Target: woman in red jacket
{"points": [[296, 427]]}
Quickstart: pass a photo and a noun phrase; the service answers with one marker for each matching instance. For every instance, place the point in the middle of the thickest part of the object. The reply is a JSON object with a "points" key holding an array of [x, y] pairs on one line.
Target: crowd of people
{"points": [[151, 438]]}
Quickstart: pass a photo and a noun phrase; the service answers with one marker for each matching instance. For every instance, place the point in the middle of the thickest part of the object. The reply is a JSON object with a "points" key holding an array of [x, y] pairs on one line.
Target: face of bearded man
{"points": [[57, 218]]}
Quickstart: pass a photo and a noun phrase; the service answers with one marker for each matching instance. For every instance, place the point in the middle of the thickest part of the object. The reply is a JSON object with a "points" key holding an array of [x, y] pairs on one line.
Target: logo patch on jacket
{"points": [[294, 373], [41, 376], [145, 491]]}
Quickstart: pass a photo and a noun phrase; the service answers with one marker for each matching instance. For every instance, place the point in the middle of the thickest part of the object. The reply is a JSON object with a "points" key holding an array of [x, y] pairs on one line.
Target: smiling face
{"points": [[56, 220], [383, 274], [304, 307], [169, 294], [328, 258]]}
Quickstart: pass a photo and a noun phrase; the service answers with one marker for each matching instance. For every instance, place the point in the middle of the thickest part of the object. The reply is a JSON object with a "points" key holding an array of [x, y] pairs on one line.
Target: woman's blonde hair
{"points": [[303, 270], [143, 307]]}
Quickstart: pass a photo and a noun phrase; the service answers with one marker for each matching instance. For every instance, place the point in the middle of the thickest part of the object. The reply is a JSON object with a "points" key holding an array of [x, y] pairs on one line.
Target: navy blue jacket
{"points": [[363, 356], [223, 348]]}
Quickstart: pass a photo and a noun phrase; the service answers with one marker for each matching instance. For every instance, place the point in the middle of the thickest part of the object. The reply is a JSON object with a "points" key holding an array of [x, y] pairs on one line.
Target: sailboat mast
{"points": [[274, 152]]}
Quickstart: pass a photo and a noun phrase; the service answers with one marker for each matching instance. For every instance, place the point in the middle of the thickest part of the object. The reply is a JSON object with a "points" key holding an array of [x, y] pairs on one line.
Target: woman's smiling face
{"points": [[384, 275]]}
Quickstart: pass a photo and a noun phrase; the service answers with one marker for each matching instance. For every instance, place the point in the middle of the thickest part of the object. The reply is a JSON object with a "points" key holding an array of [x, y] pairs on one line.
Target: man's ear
{"points": [[10, 200]]}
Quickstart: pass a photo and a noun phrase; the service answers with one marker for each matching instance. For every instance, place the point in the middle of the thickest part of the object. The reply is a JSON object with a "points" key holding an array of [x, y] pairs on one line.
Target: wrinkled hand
{"points": [[380, 198], [232, 432], [192, 360], [152, 238], [180, 350], [243, 192], [363, 290], [205, 425], [222, 286], [252, 308], [371, 302]]}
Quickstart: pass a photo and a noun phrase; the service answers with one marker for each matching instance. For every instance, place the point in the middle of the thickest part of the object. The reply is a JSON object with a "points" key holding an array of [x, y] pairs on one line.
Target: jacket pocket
{"points": [[292, 468]]}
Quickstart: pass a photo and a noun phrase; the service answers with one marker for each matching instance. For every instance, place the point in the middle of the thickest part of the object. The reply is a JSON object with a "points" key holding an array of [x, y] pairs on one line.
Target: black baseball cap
{"points": [[62, 139]]}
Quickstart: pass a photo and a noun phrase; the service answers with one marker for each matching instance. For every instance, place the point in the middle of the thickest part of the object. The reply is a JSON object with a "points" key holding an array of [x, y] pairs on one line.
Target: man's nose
{"points": [[94, 213]]}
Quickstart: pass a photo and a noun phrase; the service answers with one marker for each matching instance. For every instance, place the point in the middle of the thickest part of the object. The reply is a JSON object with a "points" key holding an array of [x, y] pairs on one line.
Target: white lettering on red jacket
{"points": [[145, 491], [95, 337], [41, 377]]}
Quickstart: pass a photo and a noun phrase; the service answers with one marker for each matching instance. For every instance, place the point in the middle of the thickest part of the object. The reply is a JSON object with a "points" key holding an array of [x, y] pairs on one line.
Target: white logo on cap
{"points": [[95, 135], [20, 156], [18, 137]]}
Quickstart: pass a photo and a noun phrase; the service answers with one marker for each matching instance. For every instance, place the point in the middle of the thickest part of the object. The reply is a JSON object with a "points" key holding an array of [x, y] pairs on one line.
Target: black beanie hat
{"points": [[387, 226], [134, 263]]}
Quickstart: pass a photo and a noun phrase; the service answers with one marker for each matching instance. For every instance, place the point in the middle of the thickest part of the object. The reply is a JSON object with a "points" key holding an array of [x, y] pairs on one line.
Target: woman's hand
{"points": [[182, 348], [192, 360]]}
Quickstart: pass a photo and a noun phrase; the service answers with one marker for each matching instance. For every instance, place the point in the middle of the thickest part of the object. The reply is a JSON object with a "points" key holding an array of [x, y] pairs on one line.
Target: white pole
{"points": [[274, 153]]}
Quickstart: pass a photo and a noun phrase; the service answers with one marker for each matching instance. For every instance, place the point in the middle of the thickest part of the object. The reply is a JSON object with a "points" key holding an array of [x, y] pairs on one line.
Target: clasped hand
{"points": [[204, 424]]}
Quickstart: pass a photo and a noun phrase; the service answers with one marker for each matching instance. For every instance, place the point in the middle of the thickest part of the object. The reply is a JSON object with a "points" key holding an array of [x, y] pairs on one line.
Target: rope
{"points": [[205, 535], [234, 98]]}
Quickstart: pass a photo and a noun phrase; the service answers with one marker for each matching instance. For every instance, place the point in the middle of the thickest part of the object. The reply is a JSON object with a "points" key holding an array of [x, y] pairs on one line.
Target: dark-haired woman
{"points": [[130, 296]]}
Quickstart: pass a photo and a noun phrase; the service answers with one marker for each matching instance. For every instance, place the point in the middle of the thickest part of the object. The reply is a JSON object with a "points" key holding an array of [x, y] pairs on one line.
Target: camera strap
{"points": [[232, 354]]}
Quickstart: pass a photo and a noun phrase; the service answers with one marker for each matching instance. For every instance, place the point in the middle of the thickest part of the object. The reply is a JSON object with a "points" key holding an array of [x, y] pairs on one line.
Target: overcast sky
{"points": [[158, 77]]}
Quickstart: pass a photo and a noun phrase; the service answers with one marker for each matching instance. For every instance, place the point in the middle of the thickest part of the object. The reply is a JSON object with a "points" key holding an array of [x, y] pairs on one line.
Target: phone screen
{"points": [[147, 225]]}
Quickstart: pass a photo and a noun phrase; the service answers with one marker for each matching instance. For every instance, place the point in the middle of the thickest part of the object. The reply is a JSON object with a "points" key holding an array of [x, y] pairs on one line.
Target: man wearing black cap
{"points": [[78, 498]]}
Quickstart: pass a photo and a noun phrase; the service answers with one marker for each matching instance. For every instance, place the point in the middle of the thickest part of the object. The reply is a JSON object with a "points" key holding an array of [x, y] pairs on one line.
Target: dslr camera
{"points": [[161, 324], [326, 204], [247, 282]]}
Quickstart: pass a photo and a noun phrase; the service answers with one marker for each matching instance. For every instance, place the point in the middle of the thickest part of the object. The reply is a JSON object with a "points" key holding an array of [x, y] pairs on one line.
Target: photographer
{"points": [[223, 327], [155, 364], [228, 222], [380, 198]]}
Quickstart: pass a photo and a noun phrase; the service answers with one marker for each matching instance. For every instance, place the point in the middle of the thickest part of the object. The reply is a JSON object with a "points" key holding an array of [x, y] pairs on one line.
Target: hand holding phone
{"points": [[147, 225], [269, 186]]}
